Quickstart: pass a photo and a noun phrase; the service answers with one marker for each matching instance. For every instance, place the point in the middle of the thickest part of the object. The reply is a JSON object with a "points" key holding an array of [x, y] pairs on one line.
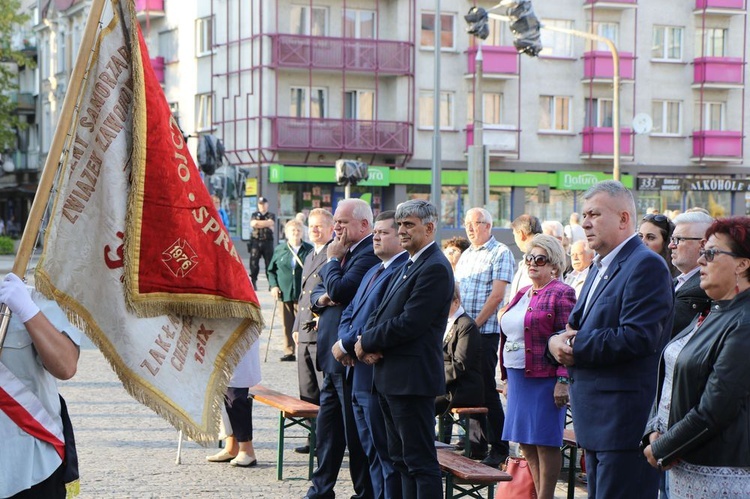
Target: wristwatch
{"points": [[333, 259]]}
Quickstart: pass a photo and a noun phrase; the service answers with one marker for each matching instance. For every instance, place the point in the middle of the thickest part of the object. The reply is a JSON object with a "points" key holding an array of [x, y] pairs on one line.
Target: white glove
{"points": [[13, 292]]}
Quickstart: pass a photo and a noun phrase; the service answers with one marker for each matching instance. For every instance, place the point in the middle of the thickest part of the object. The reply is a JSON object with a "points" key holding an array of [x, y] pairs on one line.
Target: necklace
{"points": [[535, 290]]}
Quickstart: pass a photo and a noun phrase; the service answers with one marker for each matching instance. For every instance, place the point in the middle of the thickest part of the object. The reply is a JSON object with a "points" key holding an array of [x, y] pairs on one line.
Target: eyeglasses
{"points": [[710, 254], [539, 260], [473, 224], [677, 240], [659, 218]]}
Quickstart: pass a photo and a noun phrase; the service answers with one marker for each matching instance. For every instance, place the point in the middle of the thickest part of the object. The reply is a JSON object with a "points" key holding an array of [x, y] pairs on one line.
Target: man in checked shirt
{"points": [[483, 272]]}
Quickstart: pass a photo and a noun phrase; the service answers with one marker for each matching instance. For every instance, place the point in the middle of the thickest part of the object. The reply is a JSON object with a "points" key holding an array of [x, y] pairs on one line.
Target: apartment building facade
{"points": [[290, 86]]}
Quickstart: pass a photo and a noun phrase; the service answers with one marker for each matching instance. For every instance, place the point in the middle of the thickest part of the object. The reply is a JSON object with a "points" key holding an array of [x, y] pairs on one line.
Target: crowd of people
{"points": [[638, 325]]}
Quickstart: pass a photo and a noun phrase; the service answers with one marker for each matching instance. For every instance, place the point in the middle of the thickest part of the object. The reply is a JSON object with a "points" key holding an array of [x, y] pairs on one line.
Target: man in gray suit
{"points": [[690, 299]]}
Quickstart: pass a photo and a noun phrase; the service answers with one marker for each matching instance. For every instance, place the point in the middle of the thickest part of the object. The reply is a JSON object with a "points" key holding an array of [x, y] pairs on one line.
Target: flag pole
{"points": [[44, 189]]}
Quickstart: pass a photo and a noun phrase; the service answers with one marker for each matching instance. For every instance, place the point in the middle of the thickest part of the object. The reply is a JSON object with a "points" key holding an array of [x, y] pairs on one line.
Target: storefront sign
{"points": [[689, 184], [581, 181], [379, 176]]}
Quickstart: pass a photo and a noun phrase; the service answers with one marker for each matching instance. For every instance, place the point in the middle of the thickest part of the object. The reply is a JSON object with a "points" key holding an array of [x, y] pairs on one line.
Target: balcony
{"points": [[333, 135], [598, 65], [501, 140], [152, 9], [24, 102], [158, 64], [599, 141], [718, 72], [729, 7], [610, 4], [497, 61], [350, 54], [717, 145]]}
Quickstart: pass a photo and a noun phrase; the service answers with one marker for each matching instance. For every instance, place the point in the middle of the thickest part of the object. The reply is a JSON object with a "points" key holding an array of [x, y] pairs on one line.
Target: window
{"points": [[44, 58], [308, 102], [447, 31], [76, 41], [667, 43], [667, 115], [554, 113], [605, 29], [493, 103], [712, 116], [61, 58], [204, 112], [500, 34], [710, 42], [305, 23], [359, 105], [168, 45], [598, 113], [359, 24], [556, 44], [427, 108], [204, 36], [47, 126]]}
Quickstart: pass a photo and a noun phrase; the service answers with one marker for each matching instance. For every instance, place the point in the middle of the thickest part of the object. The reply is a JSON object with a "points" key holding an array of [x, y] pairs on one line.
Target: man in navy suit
{"points": [[615, 334], [350, 256], [405, 338], [386, 481]]}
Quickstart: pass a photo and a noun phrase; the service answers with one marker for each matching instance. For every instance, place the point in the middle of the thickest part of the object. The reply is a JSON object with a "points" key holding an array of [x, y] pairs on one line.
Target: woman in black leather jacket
{"points": [[701, 423]]}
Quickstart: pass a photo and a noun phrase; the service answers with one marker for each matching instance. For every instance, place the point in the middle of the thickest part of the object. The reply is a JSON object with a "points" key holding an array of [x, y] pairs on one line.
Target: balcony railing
{"points": [[499, 139], [323, 134], [495, 60], [158, 64], [719, 70], [598, 65], [610, 4], [738, 5], [717, 144], [24, 102], [149, 8], [599, 141], [351, 54]]}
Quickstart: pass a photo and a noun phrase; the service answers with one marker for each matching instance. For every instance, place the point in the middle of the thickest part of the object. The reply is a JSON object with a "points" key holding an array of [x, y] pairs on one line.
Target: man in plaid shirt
{"points": [[483, 272]]}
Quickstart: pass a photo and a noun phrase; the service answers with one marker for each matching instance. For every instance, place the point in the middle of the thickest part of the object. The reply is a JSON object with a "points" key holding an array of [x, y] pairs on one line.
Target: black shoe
{"points": [[305, 449], [288, 358], [493, 460]]}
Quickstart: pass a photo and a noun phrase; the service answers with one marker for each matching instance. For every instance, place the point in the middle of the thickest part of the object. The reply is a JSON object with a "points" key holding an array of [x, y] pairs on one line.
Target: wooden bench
{"points": [[468, 478], [292, 412], [456, 414], [571, 447]]}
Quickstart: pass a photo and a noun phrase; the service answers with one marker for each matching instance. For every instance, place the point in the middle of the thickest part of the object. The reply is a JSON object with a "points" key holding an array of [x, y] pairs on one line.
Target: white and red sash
{"points": [[27, 412]]}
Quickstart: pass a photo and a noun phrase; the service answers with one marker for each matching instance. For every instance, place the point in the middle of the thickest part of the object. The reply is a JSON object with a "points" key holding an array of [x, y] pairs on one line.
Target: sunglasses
{"points": [[676, 240], [539, 260], [656, 218], [710, 254]]}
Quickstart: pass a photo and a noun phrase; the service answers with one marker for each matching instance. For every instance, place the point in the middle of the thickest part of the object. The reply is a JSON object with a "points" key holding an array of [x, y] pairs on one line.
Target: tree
{"points": [[11, 60]]}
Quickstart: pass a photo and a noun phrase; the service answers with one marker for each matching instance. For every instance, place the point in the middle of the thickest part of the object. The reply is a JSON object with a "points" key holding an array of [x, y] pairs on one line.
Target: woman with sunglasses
{"points": [[700, 429], [655, 231], [537, 391]]}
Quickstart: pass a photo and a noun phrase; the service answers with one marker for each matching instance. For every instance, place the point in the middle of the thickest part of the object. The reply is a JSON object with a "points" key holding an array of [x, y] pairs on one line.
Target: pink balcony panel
{"points": [[158, 64], [499, 139], [598, 65], [718, 144], [614, 2], [149, 5], [600, 141], [352, 54], [720, 4], [496, 60], [718, 70], [322, 134]]}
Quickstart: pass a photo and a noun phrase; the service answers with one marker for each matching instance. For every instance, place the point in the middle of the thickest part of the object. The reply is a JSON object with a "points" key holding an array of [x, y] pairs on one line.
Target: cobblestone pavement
{"points": [[126, 450]]}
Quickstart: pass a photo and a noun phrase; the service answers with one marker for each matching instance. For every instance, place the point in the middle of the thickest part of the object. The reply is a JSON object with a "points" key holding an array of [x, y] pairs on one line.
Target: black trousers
{"points": [[259, 249], [492, 429], [52, 487], [240, 411]]}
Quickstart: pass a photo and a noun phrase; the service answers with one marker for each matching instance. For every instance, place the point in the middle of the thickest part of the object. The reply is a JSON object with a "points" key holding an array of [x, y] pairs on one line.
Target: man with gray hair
{"points": [[581, 257], [690, 299], [403, 338], [612, 344], [483, 272]]}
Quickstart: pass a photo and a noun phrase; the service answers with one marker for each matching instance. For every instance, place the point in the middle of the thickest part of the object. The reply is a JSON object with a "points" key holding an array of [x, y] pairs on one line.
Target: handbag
{"points": [[522, 485]]}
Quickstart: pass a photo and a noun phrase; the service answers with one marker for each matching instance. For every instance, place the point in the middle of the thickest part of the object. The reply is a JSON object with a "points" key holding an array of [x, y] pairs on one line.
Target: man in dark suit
{"points": [[612, 344], [305, 330], [462, 355], [404, 336], [350, 256], [386, 481], [690, 299]]}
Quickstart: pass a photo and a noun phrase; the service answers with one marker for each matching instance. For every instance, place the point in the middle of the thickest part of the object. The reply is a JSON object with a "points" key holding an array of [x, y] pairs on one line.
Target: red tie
{"points": [[374, 278]]}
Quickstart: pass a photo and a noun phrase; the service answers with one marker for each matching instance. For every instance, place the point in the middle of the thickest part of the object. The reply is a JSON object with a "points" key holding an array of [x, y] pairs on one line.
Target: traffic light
{"points": [[525, 27], [477, 19], [349, 172]]}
